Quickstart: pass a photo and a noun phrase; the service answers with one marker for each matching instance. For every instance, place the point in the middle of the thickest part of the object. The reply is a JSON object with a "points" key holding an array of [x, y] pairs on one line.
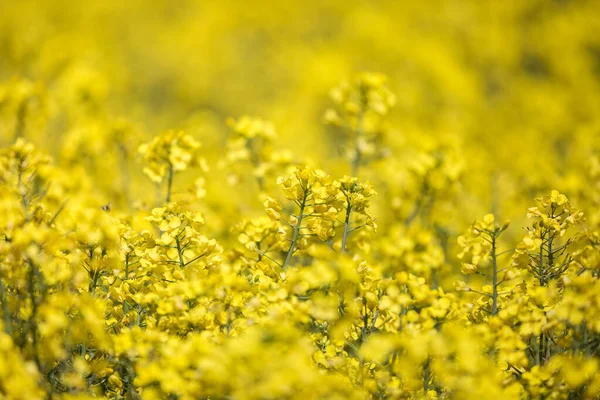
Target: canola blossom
{"points": [[275, 200]]}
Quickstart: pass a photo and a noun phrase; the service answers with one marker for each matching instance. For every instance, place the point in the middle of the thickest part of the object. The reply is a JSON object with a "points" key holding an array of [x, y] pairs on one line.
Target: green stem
{"points": [[179, 252], [494, 277], [418, 204], [426, 376], [541, 349], [5, 309], [296, 234], [169, 182], [93, 283], [32, 325], [541, 264], [550, 254], [585, 340], [357, 153], [538, 350], [126, 266], [346, 225], [22, 190], [255, 160], [21, 118], [125, 304], [125, 174], [138, 317], [93, 275]]}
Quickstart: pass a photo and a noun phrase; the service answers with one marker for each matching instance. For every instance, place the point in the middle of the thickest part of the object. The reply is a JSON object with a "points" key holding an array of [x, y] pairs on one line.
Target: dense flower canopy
{"points": [[300, 200]]}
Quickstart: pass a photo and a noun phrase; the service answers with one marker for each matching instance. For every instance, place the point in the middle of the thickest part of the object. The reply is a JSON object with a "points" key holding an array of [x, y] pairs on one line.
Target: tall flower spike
{"points": [[251, 142], [360, 110], [544, 251], [314, 194], [355, 199], [168, 153], [480, 244]]}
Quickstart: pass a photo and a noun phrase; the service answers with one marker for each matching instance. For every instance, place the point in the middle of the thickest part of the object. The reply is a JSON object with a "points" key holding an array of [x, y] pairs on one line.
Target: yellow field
{"points": [[300, 200]]}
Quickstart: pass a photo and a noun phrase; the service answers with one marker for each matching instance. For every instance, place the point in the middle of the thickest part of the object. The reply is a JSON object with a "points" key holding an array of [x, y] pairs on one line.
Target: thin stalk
{"points": [[126, 304], [22, 191], [550, 240], [418, 204], [346, 225], [169, 182], [180, 253], [426, 376], [494, 277], [126, 266], [550, 255], [93, 274], [5, 309], [290, 252], [541, 265], [125, 174], [255, 160], [93, 283], [32, 325], [263, 254], [541, 349], [138, 317], [357, 153], [21, 118], [585, 340]]}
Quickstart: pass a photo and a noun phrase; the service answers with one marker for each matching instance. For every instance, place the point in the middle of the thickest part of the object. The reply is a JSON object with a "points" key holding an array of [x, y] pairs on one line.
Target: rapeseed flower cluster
{"points": [[185, 213]]}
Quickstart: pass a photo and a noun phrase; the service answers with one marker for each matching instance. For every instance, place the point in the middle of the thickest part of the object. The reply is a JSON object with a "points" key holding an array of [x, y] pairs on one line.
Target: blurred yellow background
{"points": [[511, 88], [144, 257]]}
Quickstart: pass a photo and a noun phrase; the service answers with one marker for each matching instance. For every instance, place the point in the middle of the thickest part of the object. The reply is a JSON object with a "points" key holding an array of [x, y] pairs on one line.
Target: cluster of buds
{"points": [[361, 107], [319, 201], [314, 193], [251, 142], [368, 93], [25, 107], [180, 242], [478, 243], [544, 250], [557, 215], [481, 244], [261, 235], [355, 199], [168, 153], [435, 174]]}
